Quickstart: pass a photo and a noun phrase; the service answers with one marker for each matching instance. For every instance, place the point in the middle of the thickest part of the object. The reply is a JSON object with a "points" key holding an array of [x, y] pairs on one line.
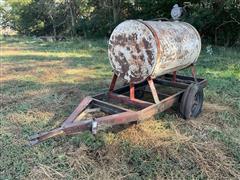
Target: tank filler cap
{"points": [[176, 12]]}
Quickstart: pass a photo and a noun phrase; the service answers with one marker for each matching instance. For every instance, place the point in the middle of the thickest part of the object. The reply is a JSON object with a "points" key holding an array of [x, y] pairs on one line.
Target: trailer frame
{"points": [[127, 96]]}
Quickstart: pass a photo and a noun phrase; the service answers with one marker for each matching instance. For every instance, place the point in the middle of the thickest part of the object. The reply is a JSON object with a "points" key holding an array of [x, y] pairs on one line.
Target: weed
{"points": [[144, 162], [91, 141], [229, 142]]}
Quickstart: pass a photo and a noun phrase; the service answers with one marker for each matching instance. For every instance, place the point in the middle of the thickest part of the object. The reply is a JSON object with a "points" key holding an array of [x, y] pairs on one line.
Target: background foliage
{"points": [[218, 21]]}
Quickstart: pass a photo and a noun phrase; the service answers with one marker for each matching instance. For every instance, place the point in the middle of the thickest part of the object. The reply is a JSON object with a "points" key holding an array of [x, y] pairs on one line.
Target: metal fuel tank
{"points": [[139, 49]]}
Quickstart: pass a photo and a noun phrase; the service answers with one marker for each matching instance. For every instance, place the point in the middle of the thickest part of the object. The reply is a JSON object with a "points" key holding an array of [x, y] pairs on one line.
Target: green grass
{"points": [[42, 82]]}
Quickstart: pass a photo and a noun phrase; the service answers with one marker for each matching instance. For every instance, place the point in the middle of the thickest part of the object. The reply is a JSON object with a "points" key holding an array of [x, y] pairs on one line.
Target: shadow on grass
{"points": [[59, 99], [70, 61], [99, 45]]}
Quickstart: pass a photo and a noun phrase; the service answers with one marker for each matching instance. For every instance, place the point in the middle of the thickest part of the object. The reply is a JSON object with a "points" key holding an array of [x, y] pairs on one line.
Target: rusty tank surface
{"points": [[141, 49]]}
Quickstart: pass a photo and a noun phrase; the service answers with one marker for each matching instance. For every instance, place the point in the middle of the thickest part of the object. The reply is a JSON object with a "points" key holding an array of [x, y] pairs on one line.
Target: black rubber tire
{"points": [[192, 101]]}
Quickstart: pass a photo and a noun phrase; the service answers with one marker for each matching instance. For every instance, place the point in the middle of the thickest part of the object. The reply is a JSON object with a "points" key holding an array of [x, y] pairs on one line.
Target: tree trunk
{"points": [[54, 32], [116, 10], [227, 41], [72, 14], [215, 37], [53, 25]]}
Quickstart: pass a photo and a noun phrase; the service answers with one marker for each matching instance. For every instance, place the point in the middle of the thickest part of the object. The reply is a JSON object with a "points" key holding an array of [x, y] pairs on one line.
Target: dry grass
{"points": [[152, 134]]}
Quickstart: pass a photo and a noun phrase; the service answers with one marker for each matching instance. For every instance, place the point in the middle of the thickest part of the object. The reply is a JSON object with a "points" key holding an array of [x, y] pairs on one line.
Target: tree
{"points": [[216, 20]]}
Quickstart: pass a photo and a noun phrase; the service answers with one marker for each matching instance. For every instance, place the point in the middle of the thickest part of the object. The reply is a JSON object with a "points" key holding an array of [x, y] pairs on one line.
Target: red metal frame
{"points": [[113, 83], [193, 70], [132, 92], [153, 90], [83, 104], [108, 103], [128, 101], [174, 76]]}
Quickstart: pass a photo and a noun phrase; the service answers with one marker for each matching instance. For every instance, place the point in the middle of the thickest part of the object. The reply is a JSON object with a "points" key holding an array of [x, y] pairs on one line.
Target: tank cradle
{"points": [[157, 95]]}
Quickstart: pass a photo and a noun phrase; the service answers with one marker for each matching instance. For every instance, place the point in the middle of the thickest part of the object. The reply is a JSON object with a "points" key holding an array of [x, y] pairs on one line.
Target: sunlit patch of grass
{"points": [[46, 54], [152, 134], [73, 75]]}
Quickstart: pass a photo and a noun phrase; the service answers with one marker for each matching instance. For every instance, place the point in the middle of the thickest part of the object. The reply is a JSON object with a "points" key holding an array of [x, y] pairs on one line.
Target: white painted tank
{"points": [[139, 49]]}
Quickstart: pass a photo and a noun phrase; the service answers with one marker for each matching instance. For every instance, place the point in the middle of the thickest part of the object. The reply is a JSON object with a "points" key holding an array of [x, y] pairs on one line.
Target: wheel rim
{"points": [[196, 107]]}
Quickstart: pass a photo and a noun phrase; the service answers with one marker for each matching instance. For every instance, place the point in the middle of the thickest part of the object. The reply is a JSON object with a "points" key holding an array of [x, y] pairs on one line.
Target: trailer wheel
{"points": [[192, 101]]}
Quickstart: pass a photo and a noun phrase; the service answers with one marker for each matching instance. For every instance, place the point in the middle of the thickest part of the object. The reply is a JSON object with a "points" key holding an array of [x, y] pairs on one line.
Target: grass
{"points": [[41, 83]]}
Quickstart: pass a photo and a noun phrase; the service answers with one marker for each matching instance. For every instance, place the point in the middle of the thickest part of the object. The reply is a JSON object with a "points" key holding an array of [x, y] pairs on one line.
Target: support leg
{"points": [[132, 91], [153, 90], [194, 72], [113, 83], [174, 76]]}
